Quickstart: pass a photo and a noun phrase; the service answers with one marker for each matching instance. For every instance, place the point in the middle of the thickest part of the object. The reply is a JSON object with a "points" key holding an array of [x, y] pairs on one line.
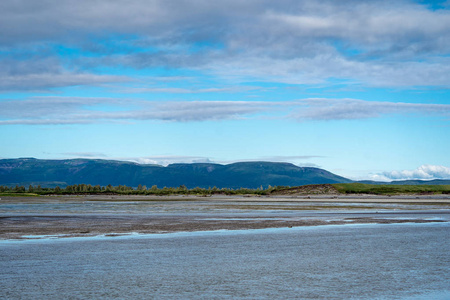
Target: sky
{"points": [[359, 88]]}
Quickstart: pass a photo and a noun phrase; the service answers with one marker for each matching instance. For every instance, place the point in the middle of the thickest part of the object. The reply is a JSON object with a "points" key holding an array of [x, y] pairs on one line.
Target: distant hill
{"points": [[410, 182], [50, 173]]}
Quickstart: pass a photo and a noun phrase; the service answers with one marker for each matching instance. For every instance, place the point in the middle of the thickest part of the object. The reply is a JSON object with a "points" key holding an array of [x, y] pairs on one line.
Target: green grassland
{"points": [[387, 189]]}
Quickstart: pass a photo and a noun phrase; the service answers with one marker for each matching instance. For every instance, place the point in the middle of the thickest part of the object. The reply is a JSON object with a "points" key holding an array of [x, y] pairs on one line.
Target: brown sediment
{"points": [[200, 214], [286, 197], [15, 227]]}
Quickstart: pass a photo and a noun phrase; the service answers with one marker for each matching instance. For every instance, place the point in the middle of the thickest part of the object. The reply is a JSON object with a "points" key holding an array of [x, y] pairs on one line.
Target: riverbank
{"points": [[361, 198], [91, 215]]}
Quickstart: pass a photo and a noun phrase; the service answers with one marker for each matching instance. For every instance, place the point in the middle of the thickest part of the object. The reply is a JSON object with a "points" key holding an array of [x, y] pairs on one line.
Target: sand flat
{"points": [[65, 216]]}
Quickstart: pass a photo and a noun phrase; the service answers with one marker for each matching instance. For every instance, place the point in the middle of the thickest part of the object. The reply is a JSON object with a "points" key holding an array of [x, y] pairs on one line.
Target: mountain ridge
{"points": [[62, 172], [26, 171]]}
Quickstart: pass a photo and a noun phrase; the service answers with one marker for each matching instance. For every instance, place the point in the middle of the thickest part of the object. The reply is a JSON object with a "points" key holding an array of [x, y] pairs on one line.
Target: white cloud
{"points": [[424, 172], [360, 22], [349, 109], [44, 81], [378, 43], [171, 90], [85, 154], [37, 73], [171, 159], [79, 110], [167, 160]]}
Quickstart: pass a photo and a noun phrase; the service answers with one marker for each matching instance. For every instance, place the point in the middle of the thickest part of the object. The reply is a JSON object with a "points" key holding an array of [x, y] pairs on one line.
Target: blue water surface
{"points": [[396, 261]]}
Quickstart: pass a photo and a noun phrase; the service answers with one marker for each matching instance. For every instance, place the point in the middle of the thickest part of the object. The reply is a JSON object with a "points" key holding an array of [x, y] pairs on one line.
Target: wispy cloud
{"points": [[85, 154], [289, 157], [38, 73], [78, 110], [164, 160], [45, 81], [173, 90], [350, 109]]}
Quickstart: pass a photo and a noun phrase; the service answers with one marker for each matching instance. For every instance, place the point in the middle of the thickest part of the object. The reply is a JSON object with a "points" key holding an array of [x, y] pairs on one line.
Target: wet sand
{"points": [[70, 216]]}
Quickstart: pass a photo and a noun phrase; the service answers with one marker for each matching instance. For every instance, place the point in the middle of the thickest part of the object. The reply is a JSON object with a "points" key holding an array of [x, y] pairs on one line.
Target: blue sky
{"points": [[359, 88]]}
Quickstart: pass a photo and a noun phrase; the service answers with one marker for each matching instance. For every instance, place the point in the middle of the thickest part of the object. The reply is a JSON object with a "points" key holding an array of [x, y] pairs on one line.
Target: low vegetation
{"points": [[86, 189], [388, 189], [317, 189]]}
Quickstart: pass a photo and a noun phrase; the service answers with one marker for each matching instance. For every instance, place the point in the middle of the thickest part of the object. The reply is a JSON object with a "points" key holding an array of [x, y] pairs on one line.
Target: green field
{"points": [[388, 189]]}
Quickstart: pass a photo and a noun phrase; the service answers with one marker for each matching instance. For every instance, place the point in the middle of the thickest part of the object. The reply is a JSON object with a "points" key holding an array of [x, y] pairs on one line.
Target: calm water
{"points": [[408, 261]]}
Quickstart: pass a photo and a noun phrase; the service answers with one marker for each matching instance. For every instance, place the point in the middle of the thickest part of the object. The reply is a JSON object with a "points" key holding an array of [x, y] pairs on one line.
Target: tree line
{"points": [[342, 188], [85, 189]]}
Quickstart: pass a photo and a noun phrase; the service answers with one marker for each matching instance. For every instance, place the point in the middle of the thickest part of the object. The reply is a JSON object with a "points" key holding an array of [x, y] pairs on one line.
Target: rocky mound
{"points": [[312, 189]]}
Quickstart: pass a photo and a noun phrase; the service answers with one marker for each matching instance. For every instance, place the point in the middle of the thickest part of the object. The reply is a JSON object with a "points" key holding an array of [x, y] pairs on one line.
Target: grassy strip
{"points": [[373, 189], [317, 189], [18, 194]]}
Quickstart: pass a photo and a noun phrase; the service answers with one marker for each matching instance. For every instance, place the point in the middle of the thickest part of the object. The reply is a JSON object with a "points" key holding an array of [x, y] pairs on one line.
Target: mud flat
{"points": [[69, 216], [441, 198]]}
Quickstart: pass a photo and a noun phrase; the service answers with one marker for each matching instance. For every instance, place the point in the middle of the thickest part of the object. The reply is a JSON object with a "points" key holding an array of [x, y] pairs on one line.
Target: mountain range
{"points": [[52, 173]]}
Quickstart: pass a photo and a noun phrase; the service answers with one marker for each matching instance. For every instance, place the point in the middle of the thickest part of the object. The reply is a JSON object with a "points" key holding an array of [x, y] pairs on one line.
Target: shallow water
{"points": [[326, 262], [62, 206]]}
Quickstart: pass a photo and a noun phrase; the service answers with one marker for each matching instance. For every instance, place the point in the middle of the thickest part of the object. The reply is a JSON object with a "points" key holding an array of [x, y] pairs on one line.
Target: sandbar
{"points": [[72, 216]]}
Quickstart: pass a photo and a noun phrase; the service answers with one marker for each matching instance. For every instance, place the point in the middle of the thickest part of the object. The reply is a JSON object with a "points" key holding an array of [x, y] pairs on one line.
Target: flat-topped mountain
{"points": [[50, 173]]}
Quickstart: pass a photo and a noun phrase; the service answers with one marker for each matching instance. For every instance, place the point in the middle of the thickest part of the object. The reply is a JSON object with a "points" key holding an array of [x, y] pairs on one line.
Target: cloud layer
{"points": [[79, 110], [377, 43], [172, 159]]}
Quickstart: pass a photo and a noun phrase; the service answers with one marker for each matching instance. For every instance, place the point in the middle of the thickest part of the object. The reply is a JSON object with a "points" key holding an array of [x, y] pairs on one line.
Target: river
{"points": [[356, 261]]}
